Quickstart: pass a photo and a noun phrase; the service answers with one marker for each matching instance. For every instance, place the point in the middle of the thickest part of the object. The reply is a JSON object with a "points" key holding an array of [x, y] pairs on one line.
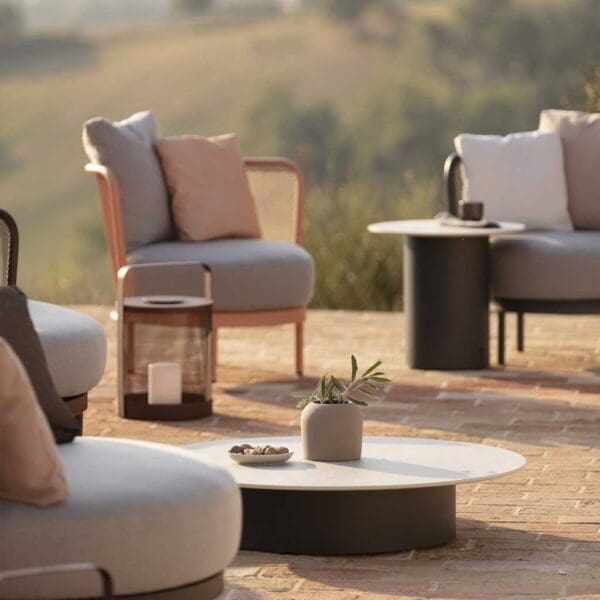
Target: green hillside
{"points": [[377, 103]]}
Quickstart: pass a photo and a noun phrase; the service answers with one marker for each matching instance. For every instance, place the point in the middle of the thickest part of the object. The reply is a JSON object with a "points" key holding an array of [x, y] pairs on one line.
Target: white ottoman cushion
{"points": [[74, 345], [155, 516]]}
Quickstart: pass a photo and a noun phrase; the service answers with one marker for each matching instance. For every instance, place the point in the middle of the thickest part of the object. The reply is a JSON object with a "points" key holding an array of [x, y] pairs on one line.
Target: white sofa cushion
{"points": [[519, 177], [155, 516], [74, 345], [248, 274]]}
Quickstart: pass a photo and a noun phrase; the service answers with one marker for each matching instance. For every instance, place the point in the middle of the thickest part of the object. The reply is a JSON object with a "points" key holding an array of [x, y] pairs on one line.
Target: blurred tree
{"points": [[592, 89], [191, 6], [311, 135], [345, 10], [11, 20]]}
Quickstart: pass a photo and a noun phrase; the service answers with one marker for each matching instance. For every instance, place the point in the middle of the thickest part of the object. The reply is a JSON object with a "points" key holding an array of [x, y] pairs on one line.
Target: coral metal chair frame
{"points": [[110, 200]]}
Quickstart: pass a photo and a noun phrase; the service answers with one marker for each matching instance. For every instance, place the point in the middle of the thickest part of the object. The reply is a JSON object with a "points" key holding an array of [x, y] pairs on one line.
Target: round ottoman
{"points": [[161, 521]]}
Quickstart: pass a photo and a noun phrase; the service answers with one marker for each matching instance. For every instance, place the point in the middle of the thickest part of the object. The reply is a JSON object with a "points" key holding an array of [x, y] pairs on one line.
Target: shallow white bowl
{"points": [[260, 459]]}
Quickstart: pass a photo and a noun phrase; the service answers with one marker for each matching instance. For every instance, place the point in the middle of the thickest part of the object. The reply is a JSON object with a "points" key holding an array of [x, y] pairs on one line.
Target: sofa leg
{"points": [[520, 331], [501, 321], [213, 353], [300, 348]]}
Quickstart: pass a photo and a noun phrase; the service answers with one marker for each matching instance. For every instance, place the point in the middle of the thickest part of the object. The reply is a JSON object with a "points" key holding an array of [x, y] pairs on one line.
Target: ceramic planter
{"points": [[331, 432]]}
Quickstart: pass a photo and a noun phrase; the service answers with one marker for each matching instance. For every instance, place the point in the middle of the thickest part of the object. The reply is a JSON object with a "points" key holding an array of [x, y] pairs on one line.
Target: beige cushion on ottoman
{"points": [[30, 468], [580, 135], [546, 265], [155, 516]]}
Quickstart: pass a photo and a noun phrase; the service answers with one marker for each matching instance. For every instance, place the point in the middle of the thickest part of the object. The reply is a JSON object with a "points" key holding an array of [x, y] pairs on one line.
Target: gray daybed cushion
{"points": [[74, 345], [546, 265], [580, 136], [17, 329], [248, 274], [127, 148], [155, 516]]}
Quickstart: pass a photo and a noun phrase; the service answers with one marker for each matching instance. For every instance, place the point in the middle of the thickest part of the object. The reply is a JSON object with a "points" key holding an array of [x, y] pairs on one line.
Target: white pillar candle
{"points": [[164, 383]]}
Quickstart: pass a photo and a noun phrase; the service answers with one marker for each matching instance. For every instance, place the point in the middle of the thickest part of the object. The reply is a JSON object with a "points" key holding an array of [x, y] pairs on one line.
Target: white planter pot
{"points": [[331, 432]]}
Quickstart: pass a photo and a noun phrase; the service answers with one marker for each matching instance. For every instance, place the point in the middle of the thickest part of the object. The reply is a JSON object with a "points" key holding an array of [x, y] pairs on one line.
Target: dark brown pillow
{"points": [[17, 329]]}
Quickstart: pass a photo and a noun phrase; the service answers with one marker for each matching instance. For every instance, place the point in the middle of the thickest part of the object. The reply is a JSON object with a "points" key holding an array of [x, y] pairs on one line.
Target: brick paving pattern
{"points": [[532, 534]]}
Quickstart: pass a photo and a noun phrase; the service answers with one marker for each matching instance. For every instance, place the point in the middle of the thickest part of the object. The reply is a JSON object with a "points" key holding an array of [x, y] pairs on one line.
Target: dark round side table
{"points": [[446, 291]]}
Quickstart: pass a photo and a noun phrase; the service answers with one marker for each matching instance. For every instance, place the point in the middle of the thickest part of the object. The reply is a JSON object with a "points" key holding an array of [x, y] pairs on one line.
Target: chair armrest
{"points": [[110, 201], [103, 574], [452, 182], [12, 247], [262, 173]]}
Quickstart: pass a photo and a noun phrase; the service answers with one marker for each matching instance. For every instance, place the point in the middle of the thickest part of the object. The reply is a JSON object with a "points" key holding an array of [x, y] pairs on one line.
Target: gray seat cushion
{"points": [[248, 274], [547, 265], [74, 345], [155, 516]]}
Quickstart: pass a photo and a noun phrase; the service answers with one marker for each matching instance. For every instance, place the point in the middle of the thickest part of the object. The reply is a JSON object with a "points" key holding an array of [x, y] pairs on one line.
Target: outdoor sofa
{"points": [[549, 271]]}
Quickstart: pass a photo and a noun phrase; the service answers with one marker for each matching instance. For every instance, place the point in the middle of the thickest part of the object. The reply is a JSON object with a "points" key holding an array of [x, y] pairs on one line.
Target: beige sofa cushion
{"points": [[580, 135], [519, 177], [210, 192], [30, 468]]}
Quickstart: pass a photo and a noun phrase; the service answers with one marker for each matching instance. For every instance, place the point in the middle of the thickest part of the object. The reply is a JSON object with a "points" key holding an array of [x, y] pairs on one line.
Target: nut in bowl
{"points": [[246, 454]]}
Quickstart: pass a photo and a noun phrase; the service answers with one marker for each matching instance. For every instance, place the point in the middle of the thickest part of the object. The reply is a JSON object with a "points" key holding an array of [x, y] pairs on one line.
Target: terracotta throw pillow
{"points": [[17, 329], [210, 193], [580, 135], [30, 469]]}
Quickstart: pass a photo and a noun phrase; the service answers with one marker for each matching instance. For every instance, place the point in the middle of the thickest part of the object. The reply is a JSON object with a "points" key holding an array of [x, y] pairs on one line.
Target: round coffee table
{"points": [[446, 291], [400, 495]]}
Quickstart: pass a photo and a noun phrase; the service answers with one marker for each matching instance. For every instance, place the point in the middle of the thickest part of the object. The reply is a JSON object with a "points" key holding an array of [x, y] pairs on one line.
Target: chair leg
{"points": [[130, 332], [520, 331], [300, 348], [213, 353], [501, 322]]}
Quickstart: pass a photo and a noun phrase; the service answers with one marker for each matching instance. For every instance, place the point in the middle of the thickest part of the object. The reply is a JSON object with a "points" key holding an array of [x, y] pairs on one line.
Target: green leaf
{"points": [[337, 383], [323, 387], [357, 401], [381, 379], [371, 368], [354, 367]]}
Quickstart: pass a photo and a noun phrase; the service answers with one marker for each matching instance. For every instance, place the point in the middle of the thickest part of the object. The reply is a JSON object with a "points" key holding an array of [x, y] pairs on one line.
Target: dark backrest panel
{"points": [[453, 182], [9, 249]]}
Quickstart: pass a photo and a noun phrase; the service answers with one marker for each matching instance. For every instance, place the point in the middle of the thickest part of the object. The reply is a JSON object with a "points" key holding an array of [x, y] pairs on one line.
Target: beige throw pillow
{"points": [[210, 192], [580, 135], [30, 467]]}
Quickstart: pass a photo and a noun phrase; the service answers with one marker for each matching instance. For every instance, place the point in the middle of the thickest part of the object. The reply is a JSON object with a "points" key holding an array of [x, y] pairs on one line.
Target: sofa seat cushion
{"points": [[546, 265], [248, 274], [74, 345], [155, 516]]}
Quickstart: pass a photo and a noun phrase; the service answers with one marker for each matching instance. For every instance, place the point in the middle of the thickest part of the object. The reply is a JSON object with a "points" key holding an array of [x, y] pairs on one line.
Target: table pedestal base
{"points": [[347, 522], [446, 298]]}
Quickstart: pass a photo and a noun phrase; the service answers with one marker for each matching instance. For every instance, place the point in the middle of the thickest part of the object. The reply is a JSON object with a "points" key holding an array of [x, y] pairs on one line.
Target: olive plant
{"points": [[359, 389]]}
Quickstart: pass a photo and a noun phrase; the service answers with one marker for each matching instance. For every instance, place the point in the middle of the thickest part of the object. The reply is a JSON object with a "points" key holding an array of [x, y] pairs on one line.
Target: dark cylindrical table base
{"points": [[347, 522], [446, 302]]}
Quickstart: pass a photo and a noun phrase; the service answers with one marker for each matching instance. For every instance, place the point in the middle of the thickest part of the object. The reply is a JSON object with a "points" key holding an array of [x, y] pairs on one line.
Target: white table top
{"points": [[386, 463], [433, 228]]}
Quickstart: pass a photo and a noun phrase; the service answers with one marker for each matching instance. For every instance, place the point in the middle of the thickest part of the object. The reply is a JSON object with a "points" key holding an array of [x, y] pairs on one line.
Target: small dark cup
{"points": [[470, 211]]}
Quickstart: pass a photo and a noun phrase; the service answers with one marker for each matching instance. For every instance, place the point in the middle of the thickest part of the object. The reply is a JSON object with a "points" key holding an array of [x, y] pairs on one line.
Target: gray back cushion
{"points": [[580, 135], [127, 148]]}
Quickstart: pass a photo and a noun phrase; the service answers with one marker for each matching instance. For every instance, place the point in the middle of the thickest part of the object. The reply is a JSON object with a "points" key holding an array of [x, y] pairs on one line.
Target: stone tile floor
{"points": [[532, 534]]}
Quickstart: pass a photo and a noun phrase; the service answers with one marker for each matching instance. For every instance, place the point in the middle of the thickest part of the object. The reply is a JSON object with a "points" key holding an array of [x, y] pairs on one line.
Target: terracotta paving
{"points": [[532, 534]]}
